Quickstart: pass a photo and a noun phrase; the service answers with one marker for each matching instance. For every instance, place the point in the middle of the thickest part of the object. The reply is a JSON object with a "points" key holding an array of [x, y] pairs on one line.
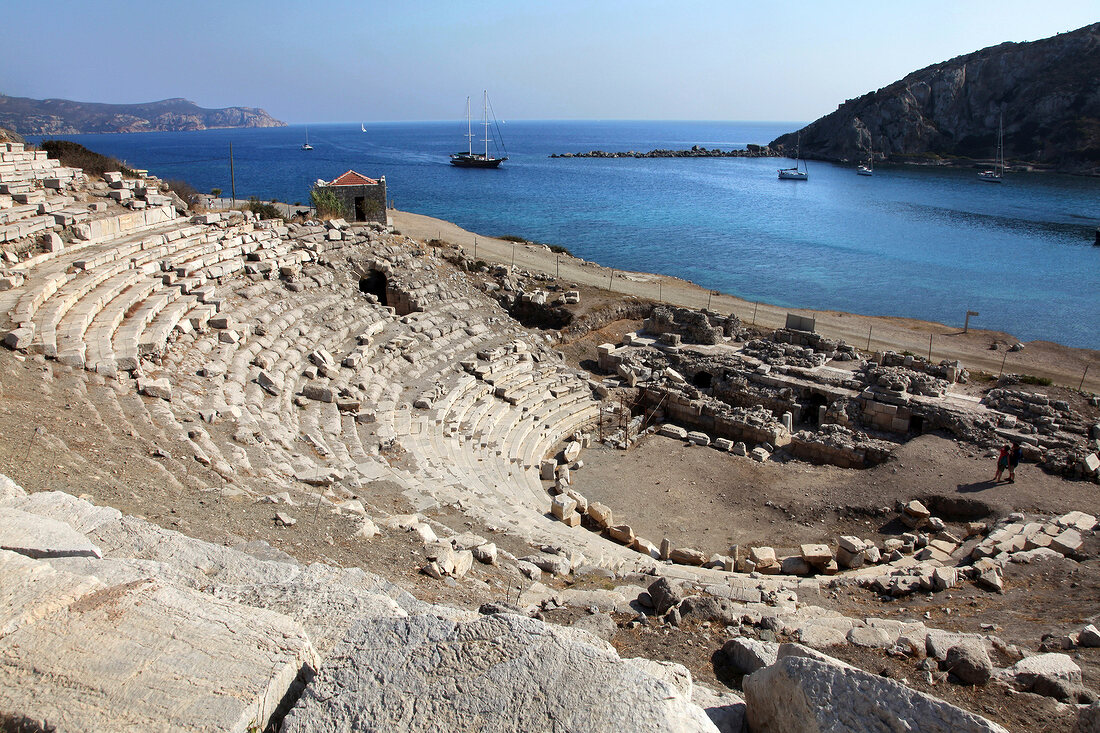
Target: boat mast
{"points": [[485, 118], [469, 130], [1001, 146]]}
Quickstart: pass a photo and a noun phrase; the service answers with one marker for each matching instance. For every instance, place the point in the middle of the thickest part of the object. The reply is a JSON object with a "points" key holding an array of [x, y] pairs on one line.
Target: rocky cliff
{"points": [[1046, 90], [65, 117]]}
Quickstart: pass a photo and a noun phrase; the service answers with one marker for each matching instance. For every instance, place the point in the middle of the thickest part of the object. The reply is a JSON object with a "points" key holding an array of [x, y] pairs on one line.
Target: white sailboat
{"points": [[997, 174], [795, 174], [362, 127], [306, 145], [867, 169]]}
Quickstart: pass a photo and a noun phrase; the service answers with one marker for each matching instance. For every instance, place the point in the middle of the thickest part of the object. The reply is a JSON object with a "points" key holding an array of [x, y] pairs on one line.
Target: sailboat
{"points": [[794, 174], [997, 174], [869, 168], [362, 127], [306, 145], [470, 159]]}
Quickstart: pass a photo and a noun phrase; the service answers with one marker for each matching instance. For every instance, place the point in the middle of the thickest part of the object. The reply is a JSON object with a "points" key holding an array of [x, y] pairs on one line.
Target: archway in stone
{"points": [[375, 284]]}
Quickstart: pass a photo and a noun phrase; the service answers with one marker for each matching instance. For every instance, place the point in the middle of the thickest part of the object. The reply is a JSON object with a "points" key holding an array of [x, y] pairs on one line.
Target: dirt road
{"points": [[1063, 364]]}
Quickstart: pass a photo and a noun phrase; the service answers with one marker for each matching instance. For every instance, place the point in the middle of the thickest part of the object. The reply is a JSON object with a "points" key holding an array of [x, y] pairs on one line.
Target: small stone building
{"points": [[363, 199]]}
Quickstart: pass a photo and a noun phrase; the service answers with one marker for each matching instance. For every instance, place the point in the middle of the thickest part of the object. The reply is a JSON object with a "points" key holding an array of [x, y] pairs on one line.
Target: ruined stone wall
{"points": [[713, 418], [374, 201], [812, 448]]}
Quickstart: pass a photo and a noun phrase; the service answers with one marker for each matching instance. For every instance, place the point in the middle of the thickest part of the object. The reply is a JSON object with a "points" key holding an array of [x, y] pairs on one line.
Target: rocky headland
{"points": [[696, 151], [948, 113], [65, 117]]}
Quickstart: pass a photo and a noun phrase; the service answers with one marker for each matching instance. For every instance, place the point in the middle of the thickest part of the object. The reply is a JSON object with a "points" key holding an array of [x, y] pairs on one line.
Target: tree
{"points": [[216, 192], [325, 201]]}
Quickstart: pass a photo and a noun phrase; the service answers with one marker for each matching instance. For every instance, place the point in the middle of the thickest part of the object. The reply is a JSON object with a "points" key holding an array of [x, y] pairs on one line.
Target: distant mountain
{"points": [[64, 117], [1048, 92]]}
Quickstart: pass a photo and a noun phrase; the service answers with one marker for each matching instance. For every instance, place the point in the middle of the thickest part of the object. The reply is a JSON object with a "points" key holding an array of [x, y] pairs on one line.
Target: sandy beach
{"points": [[1064, 365]]}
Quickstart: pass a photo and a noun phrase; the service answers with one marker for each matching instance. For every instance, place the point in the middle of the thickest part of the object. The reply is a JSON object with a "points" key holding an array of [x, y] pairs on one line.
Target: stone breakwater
{"points": [[696, 151]]}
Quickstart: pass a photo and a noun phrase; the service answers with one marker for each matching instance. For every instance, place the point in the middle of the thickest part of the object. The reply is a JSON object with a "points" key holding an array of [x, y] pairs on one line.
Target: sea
{"points": [[914, 241]]}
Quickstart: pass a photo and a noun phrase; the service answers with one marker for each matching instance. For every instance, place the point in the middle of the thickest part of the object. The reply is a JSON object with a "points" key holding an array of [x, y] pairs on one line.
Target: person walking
{"points": [[1014, 456], [1002, 463]]}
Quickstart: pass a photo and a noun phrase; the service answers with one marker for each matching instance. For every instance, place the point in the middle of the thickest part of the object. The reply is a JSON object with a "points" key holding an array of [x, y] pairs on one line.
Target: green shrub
{"points": [[1041, 381], [263, 209], [184, 190], [75, 155], [327, 204]]}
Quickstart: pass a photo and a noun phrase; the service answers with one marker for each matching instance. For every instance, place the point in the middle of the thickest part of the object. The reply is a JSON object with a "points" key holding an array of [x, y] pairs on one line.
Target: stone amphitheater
{"points": [[346, 387]]}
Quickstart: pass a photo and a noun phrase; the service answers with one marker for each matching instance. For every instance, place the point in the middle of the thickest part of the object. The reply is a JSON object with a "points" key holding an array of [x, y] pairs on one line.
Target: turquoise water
{"points": [[918, 242]]}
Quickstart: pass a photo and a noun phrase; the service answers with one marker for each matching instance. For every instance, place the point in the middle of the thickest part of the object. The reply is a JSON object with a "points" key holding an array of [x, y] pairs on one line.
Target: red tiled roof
{"points": [[351, 178]]}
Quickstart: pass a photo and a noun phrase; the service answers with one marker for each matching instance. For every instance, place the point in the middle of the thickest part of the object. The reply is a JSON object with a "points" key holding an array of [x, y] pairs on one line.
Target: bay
{"points": [[919, 242]]}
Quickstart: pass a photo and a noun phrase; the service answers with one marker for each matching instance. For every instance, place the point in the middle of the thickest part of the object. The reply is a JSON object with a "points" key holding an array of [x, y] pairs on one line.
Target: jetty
{"points": [[696, 151]]}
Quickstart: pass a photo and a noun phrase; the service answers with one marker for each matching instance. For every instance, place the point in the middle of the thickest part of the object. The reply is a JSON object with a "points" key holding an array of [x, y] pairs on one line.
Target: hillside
{"points": [[65, 117], [1046, 91]]}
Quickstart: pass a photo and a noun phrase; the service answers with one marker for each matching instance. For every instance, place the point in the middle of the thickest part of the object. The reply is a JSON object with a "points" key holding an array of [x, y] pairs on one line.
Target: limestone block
{"points": [[1053, 666], [464, 560], [969, 661], [816, 554], [547, 468], [1067, 542], [672, 431], [803, 694], [537, 677], [562, 506], [268, 384], [84, 654], [795, 565], [486, 553], [748, 655], [582, 502], [723, 444], [871, 637], [759, 454], [646, 547], [739, 449], [19, 338], [817, 636], [572, 520], [621, 533], [1077, 520], [159, 388], [600, 515], [846, 559], [698, 438], [319, 391], [851, 544], [764, 557], [553, 564], [52, 242], [917, 510], [36, 536], [571, 451], [944, 578], [687, 556]]}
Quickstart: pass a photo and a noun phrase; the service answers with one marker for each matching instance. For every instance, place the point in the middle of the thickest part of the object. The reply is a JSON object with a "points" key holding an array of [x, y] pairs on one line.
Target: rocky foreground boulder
{"points": [[111, 622], [815, 693], [500, 672]]}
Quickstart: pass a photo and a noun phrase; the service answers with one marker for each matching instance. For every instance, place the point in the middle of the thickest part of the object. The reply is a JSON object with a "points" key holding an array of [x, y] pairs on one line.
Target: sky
{"points": [[369, 61]]}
